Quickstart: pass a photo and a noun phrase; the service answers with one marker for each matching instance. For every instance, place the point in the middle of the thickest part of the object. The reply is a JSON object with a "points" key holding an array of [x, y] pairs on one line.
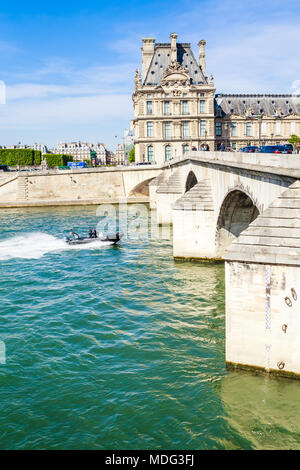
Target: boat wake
{"points": [[37, 244]]}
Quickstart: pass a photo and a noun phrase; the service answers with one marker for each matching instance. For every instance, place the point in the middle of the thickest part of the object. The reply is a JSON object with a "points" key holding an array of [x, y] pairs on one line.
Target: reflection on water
{"points": [[122, 348], [264, 410]]}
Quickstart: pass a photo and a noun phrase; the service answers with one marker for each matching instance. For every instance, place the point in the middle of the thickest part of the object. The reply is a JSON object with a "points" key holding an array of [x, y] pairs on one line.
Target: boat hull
{"points": [[110, 239]]}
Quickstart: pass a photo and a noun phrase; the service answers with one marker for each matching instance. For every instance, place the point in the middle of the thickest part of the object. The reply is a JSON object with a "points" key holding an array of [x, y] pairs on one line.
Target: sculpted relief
{"points": [[175, 75]]}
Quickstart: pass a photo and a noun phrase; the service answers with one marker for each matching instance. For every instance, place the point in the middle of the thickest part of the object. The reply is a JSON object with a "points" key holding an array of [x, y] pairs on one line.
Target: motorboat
{"points": [[109, 239]]}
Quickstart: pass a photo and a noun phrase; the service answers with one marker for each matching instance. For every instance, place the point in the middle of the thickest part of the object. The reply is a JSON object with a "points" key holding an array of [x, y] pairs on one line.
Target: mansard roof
{"points": [[162, 58], [254, 105]]}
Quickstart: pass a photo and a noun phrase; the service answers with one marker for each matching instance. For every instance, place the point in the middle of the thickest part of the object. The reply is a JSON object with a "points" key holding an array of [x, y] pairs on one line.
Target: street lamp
{"points": [[225, 133], [18, 154], [259, 118]]}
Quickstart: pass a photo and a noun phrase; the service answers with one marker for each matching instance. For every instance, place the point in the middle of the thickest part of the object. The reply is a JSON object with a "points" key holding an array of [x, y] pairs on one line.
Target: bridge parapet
{"points": [[281, 164]]}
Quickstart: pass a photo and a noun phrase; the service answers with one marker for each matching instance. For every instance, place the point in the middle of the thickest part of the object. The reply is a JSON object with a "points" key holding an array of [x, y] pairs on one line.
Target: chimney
{"points": [[173, 38], [201, 45], [147, 54]]}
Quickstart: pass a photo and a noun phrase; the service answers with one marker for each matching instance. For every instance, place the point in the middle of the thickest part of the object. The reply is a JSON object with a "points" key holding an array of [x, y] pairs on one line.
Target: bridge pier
{"points": [[262, 273], [166, 194], [194, 224]]}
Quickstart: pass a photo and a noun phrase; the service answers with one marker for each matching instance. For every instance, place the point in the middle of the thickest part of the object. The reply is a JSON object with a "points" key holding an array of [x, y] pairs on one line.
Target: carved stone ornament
{"points": [[174, 67], [249, 111], [137, 79], [175, 75]]}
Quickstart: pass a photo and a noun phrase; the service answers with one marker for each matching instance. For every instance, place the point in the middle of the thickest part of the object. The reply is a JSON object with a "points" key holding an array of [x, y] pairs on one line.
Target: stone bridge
{"points": [[245, 209], [211, 197]]}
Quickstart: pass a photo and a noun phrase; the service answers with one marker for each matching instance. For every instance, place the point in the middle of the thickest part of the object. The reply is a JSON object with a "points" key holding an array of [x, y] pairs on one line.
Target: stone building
{"points": [[255, 119], [120, 155], [82, 150], [176, 108]]}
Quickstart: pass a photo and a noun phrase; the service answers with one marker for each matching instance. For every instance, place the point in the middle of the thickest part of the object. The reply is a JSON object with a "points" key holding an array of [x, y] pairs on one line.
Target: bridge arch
{"points": [[141, 189], [191, 181], [237, 211]]}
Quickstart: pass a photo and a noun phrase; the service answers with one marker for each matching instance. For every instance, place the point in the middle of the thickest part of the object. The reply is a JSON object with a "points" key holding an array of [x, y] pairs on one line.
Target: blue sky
{"points": [[68, 67]]}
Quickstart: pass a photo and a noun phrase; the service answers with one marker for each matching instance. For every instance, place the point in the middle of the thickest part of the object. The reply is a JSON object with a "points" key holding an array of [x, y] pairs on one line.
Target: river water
{"points": [[122, 348]]}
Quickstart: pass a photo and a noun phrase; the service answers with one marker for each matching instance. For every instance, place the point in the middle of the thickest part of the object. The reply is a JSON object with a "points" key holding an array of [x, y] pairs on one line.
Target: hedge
{"points": [[53, 159], [23, 157], [37, 155]]}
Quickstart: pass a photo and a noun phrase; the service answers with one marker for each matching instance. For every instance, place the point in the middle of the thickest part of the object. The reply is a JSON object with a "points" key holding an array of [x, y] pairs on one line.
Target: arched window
{"points": [[185, 149], [150, 154], [167, 152]]}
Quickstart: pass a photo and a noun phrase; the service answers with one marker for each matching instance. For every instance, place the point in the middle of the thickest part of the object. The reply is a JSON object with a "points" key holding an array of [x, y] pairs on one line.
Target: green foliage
{"points": [[294, 139], [131, 157], [54, 159], [14, 157], [37, 156]]}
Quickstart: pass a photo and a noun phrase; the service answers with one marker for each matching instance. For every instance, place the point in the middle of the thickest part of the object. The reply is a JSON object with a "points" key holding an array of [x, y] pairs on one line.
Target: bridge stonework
{"points": [[244, 209]]}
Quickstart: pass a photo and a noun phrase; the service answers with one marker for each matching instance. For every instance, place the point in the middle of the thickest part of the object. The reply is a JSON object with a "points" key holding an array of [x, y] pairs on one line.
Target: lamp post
{"points": [[272, 138], [225, 134], [18, 154], [259, 118]]}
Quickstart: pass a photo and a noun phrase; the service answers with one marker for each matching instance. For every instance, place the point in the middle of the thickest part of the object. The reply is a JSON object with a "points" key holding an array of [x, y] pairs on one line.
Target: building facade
{"points": [[82, 151], [176, 108], [119, 158]]}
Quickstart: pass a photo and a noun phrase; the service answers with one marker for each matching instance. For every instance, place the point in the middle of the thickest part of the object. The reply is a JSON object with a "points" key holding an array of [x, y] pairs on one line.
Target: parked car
{"points": [[4, 168], [287, 148], [250, 148], [272, 149]]}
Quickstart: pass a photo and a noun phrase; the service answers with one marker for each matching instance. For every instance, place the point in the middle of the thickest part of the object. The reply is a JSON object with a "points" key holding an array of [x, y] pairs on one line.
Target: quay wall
{"points": [[76, 185]]}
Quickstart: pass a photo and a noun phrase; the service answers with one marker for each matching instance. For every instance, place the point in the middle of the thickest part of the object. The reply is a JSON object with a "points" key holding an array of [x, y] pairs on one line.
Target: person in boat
{"points": [[73, 235], [91, 233], [95, 233]]}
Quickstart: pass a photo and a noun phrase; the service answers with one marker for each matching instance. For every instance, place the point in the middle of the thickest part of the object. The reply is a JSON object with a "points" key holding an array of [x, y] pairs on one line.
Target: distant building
{"points": [[120, 155], [82, 151], [128, 143], [41, 147]]}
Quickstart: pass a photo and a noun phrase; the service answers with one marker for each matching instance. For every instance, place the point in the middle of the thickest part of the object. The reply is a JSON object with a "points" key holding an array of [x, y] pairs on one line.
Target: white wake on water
{"points": [[37, 244]]}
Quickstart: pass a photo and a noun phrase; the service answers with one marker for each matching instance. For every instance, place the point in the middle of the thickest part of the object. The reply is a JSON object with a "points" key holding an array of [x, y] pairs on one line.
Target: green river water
{"points": [[122, 348]]}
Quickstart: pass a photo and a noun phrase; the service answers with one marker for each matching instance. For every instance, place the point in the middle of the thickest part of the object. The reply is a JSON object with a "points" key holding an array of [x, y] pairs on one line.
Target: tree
{"points": [[293, 140], [131, 157]]}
